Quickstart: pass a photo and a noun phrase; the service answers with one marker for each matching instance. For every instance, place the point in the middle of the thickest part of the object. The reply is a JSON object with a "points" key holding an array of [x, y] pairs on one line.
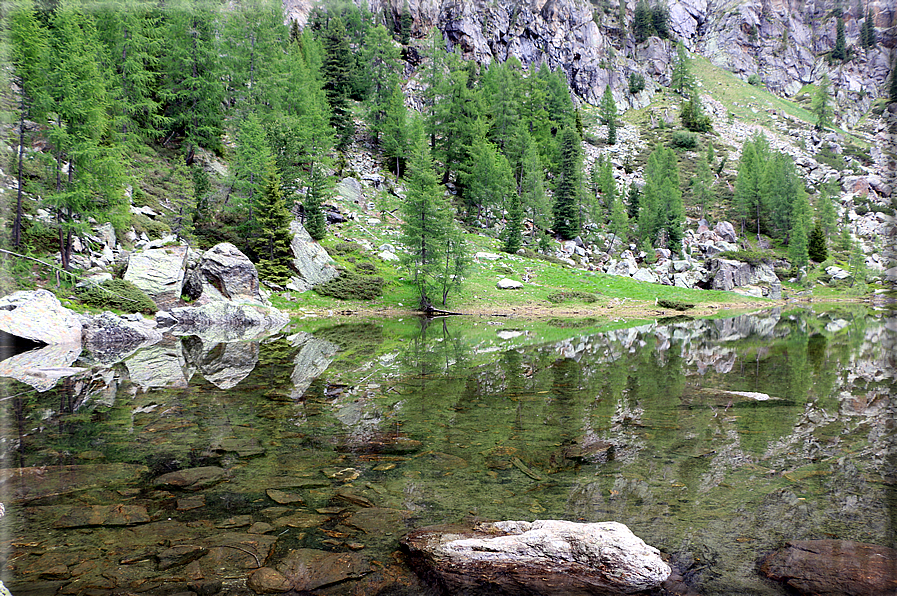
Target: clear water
{"points": [[714, 441]]}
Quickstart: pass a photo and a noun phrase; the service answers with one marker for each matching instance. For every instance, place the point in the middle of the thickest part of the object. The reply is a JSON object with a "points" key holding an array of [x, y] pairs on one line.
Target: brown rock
{"points": [[284, 498], [834, 567], [192, 478], [268, 581], [103, 515], [311, 569]]}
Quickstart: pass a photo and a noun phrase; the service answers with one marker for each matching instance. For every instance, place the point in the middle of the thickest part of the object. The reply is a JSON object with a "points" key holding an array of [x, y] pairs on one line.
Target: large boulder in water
{"points": [[224, 273], [312, 263], [223, 321], [38, 316], [541, 557], [159, 272], [834, 567]]}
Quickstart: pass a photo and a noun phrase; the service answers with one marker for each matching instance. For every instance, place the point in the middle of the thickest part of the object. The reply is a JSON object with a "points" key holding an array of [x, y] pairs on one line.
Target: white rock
{"points": [[508, 284]]}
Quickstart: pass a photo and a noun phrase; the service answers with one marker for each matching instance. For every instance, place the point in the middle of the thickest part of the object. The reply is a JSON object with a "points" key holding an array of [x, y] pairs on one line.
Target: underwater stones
{"points": [[192, 478], [833, 567], [307, 569], [102, 515], [283, 498], [540, 557], [32, 483]]}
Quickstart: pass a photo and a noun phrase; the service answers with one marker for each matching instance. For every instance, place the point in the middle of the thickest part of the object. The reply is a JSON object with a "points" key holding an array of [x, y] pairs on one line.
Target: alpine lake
{"points": [[185, 466]]}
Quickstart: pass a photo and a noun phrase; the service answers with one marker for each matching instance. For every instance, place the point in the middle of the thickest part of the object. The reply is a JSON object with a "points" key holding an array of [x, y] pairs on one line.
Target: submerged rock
{"points": [[308, 569], [192, 478], [39, 316], [540, 557], [834, 567]]}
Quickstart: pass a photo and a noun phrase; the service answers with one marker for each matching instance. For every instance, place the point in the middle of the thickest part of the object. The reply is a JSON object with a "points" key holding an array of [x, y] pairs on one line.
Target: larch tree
{"points": [[839, 52], [608, 115], [29, 59], [381, 61], [532, 190], [822, 103], [681, 82], [798, 242]]}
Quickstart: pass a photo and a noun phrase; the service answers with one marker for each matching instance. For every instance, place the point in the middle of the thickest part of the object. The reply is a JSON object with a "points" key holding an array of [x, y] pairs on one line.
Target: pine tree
{"points": [[681, 80], [634, 206], [798, 238], [828, 216], [619, 223], [339, 72], [893, 89], [692, 114], [662, 213], [748, 183], [844, 238], [488, 183], [532, 189], [314, 220], [29, 56], [381, 60], [840, 50], [857, 266], [816, 248], [251, 159], [191, 85], [427, 221], [608, 112], [642, 23], [406, 21], [514, 226], [272, 244], [393, 131], [822, 104], [87, 159], [867, 33], [569, 185]]}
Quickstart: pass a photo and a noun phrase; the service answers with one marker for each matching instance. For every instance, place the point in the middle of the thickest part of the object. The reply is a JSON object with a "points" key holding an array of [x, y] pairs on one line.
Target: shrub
{"points": [[674, 304], [341, 248], [116, 294], [366, 268], [559, 297], [352, 286], [636, 83], [754, 80], [684, 140], [572, 323]]}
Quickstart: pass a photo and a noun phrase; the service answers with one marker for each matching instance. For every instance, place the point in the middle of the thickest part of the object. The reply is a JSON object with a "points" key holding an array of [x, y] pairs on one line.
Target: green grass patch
{"points": [[751, 257], [116, 294], [352, 286]]}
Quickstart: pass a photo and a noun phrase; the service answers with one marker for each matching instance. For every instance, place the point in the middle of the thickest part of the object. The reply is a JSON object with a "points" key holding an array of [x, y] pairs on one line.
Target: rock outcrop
{"points": [[540, 557], [223, 321], [312, 263], [159, 272], [38, 316], [223, 273], [833, 567]]}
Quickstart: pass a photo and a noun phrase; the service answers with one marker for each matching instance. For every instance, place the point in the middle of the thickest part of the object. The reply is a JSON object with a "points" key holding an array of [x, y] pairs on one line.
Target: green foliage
{"points": [[702, 184], [682, 80], [342, 248], [636, 83], [816, 248], [572, 296], [514, 227], [684, 140], [272, 243], [634, 204], [692, 114], [748, 184], [822, 107], [825, 206], [755, 80], [569, 185], [352, 286], [608, 111], [798, 247], [572, 323], [650, 20], [674, 304], [662, 215], [867, 31], [839, 52], [314, 219], [116, 294]]}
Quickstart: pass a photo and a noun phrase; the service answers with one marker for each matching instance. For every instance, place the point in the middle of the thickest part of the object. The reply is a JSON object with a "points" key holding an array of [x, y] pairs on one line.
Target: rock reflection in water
{"points": [[716, 441]]}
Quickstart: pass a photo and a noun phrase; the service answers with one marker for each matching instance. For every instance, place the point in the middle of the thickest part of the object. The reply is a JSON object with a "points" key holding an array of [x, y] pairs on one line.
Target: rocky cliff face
{"points": [[782, 41]]}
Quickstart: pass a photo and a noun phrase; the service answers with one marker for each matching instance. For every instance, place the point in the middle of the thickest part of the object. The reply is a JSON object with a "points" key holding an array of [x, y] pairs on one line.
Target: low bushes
{"points": [[116, 294], [352, 286], [559, 297]]}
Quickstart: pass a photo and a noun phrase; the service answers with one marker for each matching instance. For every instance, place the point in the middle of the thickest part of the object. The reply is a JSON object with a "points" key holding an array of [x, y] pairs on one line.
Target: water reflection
{"points": [[714, 440]]}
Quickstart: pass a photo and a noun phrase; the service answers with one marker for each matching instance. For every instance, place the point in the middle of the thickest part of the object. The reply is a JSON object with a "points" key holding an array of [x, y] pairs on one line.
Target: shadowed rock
{"points": [[834, 567], [38, 315], [43, 368], [224, 273], [542, 557], [312, 263]]}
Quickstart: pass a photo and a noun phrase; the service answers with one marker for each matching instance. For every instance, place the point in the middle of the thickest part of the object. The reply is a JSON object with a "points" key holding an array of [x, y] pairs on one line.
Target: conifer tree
{"points": [[252, 156], [867, 33], [609, 115], [272, 244], [681, 80], [532, 189], [828, 217], [780, 187], [191, 84], [393, 133], [569, 185], [619, 223], [748, 183], [514, 226], [893, 89], [406, 21], [692, 114], [857, 266], [29, 55], [822, 103], [338, 70], [642, 23], [87, 159], [816, 246], [634, 206], [488, 183], [381, 60], [427, 221], [314, 220], [662, 214], [798, 238], [840, 50]]}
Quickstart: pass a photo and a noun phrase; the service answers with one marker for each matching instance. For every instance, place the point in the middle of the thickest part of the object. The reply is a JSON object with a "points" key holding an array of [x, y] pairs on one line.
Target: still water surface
{"points": [[714, 441]]}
